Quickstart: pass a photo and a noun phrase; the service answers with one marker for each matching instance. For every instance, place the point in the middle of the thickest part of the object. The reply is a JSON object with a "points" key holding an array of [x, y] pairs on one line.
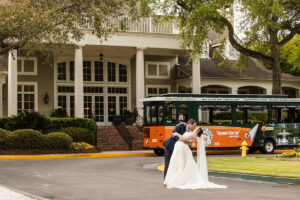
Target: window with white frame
{"points": [[98, 70], [153, 91], [65, 99], [111, 72], [87, 71], [27, 97], [106, 88], [71, 71], [94, 103], [27, 66], [122, 73], [157, 70], [62, 71]]}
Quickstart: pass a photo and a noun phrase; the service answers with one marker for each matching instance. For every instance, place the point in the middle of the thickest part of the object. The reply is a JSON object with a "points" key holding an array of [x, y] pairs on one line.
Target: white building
{"points": [[144, 61]]}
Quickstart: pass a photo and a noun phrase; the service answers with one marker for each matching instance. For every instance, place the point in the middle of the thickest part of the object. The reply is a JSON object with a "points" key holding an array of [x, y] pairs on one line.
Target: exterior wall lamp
{"points": [[101, 56], [46, 98]]}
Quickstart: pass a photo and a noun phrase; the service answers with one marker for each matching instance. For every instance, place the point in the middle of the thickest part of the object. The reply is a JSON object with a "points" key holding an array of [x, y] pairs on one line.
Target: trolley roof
{"points": [[223, 98]]}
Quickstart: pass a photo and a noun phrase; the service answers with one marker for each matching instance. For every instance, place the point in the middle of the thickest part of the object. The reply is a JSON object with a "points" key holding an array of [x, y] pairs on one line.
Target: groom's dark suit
{"points": [[170, 142]]}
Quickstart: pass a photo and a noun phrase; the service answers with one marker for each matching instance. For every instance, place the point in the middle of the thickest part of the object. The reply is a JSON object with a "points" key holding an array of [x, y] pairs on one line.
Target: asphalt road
{"points": [[128, 178]]}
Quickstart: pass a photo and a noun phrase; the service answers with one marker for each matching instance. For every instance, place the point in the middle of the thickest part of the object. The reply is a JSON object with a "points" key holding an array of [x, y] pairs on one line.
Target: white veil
{"points": [[201, 158]]}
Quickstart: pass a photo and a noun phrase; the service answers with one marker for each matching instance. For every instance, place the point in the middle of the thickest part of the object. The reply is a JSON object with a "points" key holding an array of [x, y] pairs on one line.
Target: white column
{"points": [[234, 90], [269, 91], [140, 79], [12, 83], [79, 106], [196, 79]]}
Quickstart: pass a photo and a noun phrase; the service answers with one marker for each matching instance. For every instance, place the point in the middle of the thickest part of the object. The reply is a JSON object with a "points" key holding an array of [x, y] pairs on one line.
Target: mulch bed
{"points": [[285, 159], [41, 152]]}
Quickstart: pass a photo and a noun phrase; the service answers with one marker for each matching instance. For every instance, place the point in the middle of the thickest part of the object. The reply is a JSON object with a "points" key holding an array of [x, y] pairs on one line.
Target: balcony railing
{"points": [[145, 25]]}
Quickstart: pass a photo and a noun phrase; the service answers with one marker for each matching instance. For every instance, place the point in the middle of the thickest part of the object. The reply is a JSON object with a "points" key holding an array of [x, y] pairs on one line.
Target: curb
{"points": [[249, 177], [75, 156], [261, 178]]}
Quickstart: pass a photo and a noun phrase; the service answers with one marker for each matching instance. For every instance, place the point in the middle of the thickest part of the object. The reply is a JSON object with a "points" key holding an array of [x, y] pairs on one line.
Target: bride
{"points": [[183, 171]]}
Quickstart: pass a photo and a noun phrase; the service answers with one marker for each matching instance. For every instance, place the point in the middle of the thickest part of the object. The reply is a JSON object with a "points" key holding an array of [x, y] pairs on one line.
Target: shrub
{"points": [[60, 123], [82, 146], [23, 139], [3, 135], [59, 113], [28, 120], [80, 134], [57, 141], [4, 120]]}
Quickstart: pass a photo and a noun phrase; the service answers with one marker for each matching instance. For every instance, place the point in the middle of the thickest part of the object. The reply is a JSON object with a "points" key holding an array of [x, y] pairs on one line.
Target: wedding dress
{"points": [[184, 172]]}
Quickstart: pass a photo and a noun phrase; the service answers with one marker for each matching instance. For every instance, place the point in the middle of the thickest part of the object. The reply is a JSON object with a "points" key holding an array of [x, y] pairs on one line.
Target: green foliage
{"points": [[49, 24], [267, 26], [28, 139], [290, 56], [57, 124], [28, 120], [80, 134], [3, 121], [57, 141], [59, 112], [23, 139]]}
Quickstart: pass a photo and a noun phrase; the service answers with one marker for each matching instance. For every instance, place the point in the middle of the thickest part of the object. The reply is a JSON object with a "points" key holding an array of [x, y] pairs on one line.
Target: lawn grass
{"points": [[254, 165]]}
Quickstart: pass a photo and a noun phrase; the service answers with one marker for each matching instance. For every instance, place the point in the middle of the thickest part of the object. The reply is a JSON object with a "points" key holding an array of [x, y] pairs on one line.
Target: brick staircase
{"points": [[109, 139]]}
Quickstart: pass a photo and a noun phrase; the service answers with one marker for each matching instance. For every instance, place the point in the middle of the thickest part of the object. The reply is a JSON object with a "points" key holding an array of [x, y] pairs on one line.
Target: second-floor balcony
{"points": [[145, 25]]}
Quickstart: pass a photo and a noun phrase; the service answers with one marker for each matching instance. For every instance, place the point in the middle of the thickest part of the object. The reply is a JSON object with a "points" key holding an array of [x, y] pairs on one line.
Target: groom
{"points": [[169, 144]]}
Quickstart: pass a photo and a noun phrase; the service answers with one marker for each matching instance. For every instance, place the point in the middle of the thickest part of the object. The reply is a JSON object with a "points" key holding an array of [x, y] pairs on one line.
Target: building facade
{"points": [[104, 78]]}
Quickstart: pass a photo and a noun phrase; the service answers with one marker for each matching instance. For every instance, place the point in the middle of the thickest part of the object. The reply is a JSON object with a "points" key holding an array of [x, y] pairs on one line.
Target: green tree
{"points": [[269, 25], [290, 56], [39, 25]]}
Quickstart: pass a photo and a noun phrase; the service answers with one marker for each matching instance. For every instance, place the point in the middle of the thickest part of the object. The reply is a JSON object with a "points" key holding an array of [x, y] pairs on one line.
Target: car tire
{"points": [[269, 147], [159, 151]]}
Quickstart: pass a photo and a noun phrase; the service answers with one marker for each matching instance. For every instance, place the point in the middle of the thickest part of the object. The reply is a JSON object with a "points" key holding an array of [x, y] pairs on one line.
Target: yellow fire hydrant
{"points": [[244, 149]]}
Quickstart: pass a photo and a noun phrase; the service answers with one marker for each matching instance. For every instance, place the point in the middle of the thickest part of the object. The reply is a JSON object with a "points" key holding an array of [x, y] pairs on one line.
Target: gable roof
{"points": [[209, 69]]}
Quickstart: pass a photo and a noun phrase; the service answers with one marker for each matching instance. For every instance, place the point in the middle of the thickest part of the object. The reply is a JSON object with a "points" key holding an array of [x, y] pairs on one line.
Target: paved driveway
{"points": [[127, 178]]}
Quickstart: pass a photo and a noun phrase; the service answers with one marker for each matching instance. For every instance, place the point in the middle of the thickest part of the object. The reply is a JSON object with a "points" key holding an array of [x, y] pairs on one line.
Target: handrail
{"points": [[143, 25]]}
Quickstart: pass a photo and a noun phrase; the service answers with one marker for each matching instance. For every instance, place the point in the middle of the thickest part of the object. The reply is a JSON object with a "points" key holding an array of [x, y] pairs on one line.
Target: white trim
{"points": [[157, 87], [222, 99], [157, 76], [22, 72], [35, 84], [105, 84]]}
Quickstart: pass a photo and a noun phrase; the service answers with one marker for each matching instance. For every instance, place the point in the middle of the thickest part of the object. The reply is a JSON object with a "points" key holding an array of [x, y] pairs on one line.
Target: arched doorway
{"points": [[291, 92], [215, 89], [251, 90]]}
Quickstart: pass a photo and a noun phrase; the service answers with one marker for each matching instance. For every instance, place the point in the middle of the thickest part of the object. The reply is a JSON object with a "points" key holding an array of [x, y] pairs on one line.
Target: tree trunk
{"points": [[276, 89]]}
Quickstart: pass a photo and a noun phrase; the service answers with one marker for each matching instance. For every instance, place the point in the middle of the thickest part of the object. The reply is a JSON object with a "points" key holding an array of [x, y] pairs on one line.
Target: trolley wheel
{"points": [[269, 146], [159, 151]]}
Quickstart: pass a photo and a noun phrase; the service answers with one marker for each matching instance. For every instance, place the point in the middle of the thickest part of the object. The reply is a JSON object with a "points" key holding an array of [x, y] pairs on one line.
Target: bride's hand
{"points": [[176, 134]]}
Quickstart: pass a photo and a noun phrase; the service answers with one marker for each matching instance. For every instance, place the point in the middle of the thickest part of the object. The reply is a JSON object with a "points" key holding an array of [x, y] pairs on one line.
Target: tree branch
{"points": [[294, 31], [242, 49]]}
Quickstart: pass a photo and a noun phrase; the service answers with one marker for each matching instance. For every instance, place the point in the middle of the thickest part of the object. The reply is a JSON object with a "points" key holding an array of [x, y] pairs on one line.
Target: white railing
{"points": [[145, 25]]}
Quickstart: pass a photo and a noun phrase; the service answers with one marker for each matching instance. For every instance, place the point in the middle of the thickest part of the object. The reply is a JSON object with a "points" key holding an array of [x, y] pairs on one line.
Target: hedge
{"points": [[57, 124], [80, 134], [23, 139], [28, 120], [28, 139], [56, 141], [36, 121]]}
